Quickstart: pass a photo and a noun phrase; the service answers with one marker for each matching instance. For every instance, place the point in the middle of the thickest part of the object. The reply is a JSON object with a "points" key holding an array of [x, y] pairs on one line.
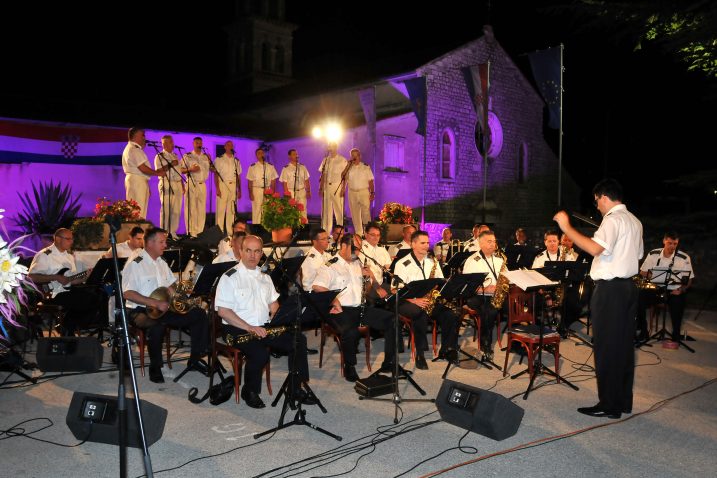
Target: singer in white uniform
{"points": [[295, 181], [195, 164], [171, 188], [331, 188], [228, 186], [359, 180], [260, 177], [137, 171]]}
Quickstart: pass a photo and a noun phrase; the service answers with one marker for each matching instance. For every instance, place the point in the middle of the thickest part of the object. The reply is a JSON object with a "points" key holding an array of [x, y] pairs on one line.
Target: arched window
{"points": [[266, 56], [279, 62], [522, 166], [448, 154]]}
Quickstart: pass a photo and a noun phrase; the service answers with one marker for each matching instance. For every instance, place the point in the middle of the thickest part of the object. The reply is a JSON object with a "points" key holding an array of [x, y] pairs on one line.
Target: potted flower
{"points": [[394, 216], [281, 215], [127, 210]]}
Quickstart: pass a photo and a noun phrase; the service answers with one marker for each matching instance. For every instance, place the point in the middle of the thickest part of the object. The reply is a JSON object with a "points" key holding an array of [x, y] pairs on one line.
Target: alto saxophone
{"points": [[232, 340], [560, 289], [502, 286], [433, 294]]}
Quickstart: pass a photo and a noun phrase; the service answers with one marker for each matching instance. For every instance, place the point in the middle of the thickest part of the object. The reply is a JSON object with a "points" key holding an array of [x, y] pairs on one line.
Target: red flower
{"points": [[267, 191], [304, 220], [300, 207], [276, 195], [292, 202]]}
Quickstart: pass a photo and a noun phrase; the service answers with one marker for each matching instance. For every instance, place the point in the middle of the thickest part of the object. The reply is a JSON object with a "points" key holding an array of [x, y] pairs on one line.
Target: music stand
{"points": [[456, 261], [103, 270], [519, 256], [319, 304], [399, 255], [176, 260], [667, 276]]}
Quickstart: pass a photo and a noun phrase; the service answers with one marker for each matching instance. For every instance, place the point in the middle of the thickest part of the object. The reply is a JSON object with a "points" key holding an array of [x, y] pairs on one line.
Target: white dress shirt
{"points": [[133, 157], [342, 275], [144, 274], [620, 234], [248, 293]]}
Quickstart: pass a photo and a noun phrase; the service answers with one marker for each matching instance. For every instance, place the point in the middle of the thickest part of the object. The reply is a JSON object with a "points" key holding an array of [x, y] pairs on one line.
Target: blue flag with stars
{"points": [[546, 71]]}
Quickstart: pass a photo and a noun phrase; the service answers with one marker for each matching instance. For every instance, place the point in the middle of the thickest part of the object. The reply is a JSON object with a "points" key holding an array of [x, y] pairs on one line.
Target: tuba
{"points": [[503, 285], [179, 302]]}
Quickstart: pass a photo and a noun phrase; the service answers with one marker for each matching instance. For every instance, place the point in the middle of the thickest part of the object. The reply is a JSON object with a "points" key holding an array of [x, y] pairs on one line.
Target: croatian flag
{"points": [[39, 142]]}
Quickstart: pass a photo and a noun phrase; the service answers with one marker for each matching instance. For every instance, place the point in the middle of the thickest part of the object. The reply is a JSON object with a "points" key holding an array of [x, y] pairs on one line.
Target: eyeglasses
{"points": [[66, 238]]}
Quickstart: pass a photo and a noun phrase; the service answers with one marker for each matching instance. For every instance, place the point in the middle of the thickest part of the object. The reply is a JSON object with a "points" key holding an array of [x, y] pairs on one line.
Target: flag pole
{"points": [[560, 134]]}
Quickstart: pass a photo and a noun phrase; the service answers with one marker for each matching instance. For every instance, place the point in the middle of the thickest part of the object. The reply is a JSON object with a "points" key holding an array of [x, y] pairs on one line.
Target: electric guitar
{"points": [[49, 291]]}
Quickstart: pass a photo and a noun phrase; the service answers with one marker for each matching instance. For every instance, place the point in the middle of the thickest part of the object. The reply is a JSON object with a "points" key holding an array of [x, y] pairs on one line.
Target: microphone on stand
{"points": [[151, 143]]}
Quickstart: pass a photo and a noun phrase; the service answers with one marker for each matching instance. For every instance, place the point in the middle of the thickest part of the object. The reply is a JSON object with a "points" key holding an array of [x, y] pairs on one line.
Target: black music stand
{"points": [[520, 256], [662, 277], [538, 367], [176, 260], [464, 286], [291, 312], [456, 262], [102, 272], [286, 268]]}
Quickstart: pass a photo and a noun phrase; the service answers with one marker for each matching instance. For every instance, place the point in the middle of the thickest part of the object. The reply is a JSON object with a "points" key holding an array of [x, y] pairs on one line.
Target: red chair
{"points": [[328, 331]]}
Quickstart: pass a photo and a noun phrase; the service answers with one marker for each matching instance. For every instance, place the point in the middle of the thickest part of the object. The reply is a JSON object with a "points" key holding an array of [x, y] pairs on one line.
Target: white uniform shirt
{"points": [[123, 250], [289, 175], [358, 177], [261, 175], [132, 157], [476, 263], [393, 250], [190, 159], [226, 167], [249, 293], [161, 160], [380, 254], [228, 256], [620, 234], [656, 259], [408, 270], [311, 265], [472, 245], [545, 256], [50, 261], [144, 274], [340, 275], [334, 168]]}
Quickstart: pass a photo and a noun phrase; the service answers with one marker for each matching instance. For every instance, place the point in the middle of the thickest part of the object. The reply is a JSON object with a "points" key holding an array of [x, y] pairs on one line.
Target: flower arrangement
{"points": [[13, 286], [396, 213], [127, 209], [281, 212]]}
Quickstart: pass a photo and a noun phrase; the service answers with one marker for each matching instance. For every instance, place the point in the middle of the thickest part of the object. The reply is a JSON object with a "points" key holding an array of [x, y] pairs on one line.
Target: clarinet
{"points": [[364, 287]]}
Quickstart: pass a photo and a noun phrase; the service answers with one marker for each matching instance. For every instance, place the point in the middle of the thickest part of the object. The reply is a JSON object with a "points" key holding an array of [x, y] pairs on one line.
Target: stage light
{"points": [[317, 132], [331, 131]]}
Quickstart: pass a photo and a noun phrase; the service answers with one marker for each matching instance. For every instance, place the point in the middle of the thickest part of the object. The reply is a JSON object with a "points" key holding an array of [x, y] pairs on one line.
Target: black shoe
{"points": [[350, 373], [199, 365], [386, 367], [311, 351], [448, 353], [488, 354], [421, 362], [155, 374], [252, 399], [597, 411]]}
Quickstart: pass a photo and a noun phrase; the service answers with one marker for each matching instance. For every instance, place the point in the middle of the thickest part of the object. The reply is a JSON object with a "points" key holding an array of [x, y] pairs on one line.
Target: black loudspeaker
{"points": [[95, 418], [69, 354], [480, 411]]}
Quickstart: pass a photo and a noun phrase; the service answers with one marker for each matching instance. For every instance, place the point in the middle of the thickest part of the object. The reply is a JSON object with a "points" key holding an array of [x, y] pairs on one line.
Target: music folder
{"points": [[209, 277], [286, 314], [457, 259], [415, 289], [530, 280]]}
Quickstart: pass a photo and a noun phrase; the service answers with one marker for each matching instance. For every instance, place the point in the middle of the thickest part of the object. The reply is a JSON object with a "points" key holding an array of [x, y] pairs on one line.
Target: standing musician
{"points": [[261, 179], [359, 180], [233, 254], [246, 300], [484, 260], [295, 181], [316, 258], [407, 232], [171, 187], [377, 259], [667, 256], [140, 277], [471, 244], [616, 248], [137, 171], [349, 309], [418, 266], [331, 187], [225, 245], [227, 185], [131, 246], [195, 164], [81, 304]]}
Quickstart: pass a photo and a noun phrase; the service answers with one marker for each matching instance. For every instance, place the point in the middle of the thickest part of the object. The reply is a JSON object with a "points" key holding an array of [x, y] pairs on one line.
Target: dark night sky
{"points": [[631, 115]]}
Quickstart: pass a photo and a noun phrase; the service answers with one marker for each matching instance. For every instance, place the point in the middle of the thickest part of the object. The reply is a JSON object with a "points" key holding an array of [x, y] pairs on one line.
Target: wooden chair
{"points": [[328, 331], [406, 322], [140, 334]]}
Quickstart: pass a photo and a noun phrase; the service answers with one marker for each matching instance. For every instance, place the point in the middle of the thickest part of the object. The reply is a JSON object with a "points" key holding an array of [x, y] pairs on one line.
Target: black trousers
{"points": [[195, 320], [488, 314], [445, 318], [675, 304], [257, 355], [347, 322], [613, 307]]}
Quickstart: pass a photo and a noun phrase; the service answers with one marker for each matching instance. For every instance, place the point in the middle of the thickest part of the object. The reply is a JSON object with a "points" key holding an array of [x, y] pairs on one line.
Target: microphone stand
{"points": [[187, 201]]}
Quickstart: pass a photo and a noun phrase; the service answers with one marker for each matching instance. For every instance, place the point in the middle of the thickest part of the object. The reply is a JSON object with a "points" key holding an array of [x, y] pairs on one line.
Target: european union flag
{"points": [[416, 89], [546, 65]]}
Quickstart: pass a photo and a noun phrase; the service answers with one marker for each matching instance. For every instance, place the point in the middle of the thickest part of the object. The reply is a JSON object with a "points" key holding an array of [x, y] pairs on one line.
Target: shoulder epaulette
{"points": [[48, 251], [312, 255], [477, 257], [138, 259], [407, 262], [655, 251], [230, 272], [332, 261], [227, 239], [682, 256], [138, 146]]}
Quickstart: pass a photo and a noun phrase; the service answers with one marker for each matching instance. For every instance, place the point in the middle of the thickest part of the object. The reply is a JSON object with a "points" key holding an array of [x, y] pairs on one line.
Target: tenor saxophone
{"points": [[232, 340], [502, 286]]}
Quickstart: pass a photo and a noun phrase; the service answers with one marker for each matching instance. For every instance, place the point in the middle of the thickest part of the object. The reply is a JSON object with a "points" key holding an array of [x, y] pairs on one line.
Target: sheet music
{"points": [[525, 278]]}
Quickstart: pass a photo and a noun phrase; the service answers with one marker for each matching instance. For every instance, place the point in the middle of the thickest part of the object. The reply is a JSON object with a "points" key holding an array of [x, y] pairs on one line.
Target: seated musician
{"points": [[570, 296], [54, 269], [233, 254], [407, 233], [677, 286], [316, 258], [471, 245], [225, 245], [418, 266], [349, 310], [131, 246], [484, 260], [377, 259], [443, 250], [246, 300], [140, 277]]}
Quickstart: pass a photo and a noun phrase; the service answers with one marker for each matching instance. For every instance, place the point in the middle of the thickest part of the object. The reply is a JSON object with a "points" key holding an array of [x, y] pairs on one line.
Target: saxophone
{"points": [[432, 295], [560, 289], [179, 302], [503, 285], [232, 340]]}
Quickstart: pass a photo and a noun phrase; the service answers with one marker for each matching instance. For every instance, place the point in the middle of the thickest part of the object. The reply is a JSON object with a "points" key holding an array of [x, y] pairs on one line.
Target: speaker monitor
{"points": [[69, 354], [480, 411], [96, 419]]}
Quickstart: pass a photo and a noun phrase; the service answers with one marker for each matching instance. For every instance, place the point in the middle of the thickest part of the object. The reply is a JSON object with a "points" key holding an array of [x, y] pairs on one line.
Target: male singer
{"points": [[227, 185], [195, 164], [260, 177], [137, 171], [171, 187], [295, 180], [331, 188]]}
